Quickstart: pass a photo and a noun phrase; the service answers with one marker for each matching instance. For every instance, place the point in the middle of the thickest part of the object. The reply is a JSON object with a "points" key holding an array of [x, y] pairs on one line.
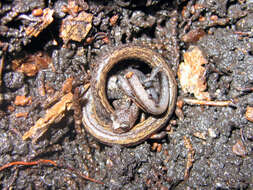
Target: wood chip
{"points": [[114, 19], [200, 135], [31, 64], [22, 114], [76, 28], [249, 113], [53, 114], [22, 100], [11, 108], [191, 73], [193, 35], [67, 85], [239, 149], [41, 24]]}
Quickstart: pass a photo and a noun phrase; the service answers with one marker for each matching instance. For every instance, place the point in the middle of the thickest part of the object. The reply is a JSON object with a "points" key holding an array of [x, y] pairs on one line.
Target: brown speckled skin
{"points": [[96, 113]]}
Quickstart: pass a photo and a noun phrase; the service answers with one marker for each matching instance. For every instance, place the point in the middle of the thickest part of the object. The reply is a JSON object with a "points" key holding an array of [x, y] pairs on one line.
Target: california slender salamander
{"points": [[97, 111], [142, 98]]}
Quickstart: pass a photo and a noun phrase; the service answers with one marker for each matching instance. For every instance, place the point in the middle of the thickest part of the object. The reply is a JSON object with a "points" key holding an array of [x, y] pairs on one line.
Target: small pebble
{"points": [[13, 80], [211, 133]]}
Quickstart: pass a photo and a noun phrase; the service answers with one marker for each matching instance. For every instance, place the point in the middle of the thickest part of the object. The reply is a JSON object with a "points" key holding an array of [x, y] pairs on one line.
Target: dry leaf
{"points": [[239, 149], [43, 22], [53, 114], [191, 73], [76, 28], [67, 85], [31, 64]]}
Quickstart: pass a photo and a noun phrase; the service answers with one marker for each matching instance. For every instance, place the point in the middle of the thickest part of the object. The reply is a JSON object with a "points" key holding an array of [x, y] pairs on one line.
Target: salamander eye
{"points": [[117, 81]]}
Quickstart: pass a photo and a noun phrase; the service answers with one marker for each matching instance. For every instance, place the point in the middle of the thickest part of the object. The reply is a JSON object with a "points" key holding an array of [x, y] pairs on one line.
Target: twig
{"points": [[247, 89], [1, 69], [208, 102], [28, 163], [190, 157], [242, 136], [23, 163], [13, 179], [72, 170], [243, 33]]}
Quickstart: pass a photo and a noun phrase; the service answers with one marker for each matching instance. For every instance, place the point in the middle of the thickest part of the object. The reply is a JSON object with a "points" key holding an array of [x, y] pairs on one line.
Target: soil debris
{"points": [[37, 12], [22, 114], [31, 64], [178, 111], [74, 7], [191, 73], [190, 157], [200, 135], [249, 113], [156, 147], [193, 35], [22, 100], [114, 19]]}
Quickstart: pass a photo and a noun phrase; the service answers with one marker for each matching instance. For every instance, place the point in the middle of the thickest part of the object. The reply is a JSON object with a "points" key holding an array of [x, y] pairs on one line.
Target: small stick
{"points": [[27, 163], [242, 136], [248, 89], [23, 163], [71, 170], [242, 33], [190, 157], [208, 102], [13, 179], [1, 69]]}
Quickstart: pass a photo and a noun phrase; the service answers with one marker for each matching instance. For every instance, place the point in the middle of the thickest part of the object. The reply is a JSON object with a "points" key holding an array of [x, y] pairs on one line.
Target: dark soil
{"points": [[228, 46]]}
